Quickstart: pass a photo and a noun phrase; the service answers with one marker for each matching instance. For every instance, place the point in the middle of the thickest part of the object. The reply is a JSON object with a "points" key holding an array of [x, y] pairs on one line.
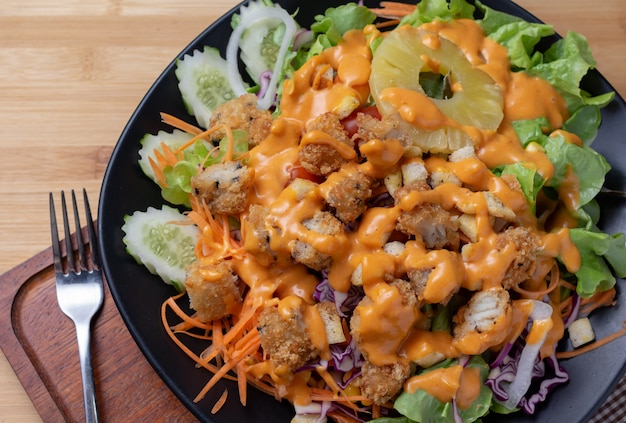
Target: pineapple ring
{"points": [[436, 125]]}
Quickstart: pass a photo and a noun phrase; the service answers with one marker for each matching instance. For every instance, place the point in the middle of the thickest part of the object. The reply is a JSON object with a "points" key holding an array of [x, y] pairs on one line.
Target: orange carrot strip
{"points": [[178, 342], [375, 411], [594, 345], [169, 155], [218, 335], [553, 283], [179, 124], [263, 387], [220, 402], [158, 172], [222, 371], [397, 5], [386, 24], [342, 416], [185, 317], [242, 383], [158, 155], [600, 299], [244, 319]]}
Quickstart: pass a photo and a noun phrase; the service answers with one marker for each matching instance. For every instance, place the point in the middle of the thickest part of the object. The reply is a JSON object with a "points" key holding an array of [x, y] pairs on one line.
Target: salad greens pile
{"points": [[564, 64]]}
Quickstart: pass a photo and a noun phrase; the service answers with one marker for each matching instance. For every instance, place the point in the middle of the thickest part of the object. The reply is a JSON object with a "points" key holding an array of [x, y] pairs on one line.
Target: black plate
{"points": [[139, 295]]}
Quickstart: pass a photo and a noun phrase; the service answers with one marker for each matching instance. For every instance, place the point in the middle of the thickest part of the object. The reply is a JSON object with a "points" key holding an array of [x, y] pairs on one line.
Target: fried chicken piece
{"points": [[242, 113], [224, 186], [348, 195], [408, 298], [483, 322], [526, 244], [323, 159], [431, 223], [213, 289], [386, 128], [382, 383], [257, 234], [323, 223], [285, 339], [438, 293]]}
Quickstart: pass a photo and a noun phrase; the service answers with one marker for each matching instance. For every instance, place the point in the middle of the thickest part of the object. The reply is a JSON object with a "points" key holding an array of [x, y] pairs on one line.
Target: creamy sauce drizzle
{"points": [[337, 80]]}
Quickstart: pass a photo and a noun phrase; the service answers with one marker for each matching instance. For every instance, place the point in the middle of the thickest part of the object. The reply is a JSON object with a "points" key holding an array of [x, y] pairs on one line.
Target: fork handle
{"points": [[83, 337]]}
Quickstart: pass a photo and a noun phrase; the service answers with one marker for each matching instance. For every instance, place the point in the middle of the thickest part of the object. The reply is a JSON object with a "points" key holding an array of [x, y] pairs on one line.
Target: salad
{"points": [[388, 216]]}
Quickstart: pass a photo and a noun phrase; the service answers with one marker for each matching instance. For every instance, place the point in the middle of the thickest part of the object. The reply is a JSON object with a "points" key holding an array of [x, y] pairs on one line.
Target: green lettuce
{"points": [[589, 166], [428, 11], [329, 28], [563, 65], [200, 154], [602, 257], [420, 406], [531, 181]]}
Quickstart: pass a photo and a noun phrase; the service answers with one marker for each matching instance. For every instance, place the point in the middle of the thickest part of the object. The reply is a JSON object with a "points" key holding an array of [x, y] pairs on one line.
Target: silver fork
{"points": [[79, 290]]}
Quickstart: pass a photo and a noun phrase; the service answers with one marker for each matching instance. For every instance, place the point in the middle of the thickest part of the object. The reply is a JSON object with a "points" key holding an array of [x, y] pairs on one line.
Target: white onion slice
{"points": [[518, 388], [232, 51]]}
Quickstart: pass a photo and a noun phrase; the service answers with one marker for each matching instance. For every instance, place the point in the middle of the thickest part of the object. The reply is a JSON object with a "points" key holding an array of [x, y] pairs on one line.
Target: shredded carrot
{"points": [[158, 172], [553, 283], [242, 383], [220, 402], [594, 345], [387, 24], [600, 299], [226, 367], [186, 318], [392, 9], [178, 342], [341, 417], [180, 124], [375, 411]]}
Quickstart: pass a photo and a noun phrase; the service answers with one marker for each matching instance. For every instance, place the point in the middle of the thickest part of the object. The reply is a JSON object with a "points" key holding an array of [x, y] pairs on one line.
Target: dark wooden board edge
{"points": [[39, 344], [10, 284]]}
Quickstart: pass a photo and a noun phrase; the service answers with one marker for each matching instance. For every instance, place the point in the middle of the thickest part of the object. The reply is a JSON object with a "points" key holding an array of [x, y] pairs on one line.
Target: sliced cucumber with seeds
{"points": [[260, 42], [151, 143], [203, 82], [163, 241]]}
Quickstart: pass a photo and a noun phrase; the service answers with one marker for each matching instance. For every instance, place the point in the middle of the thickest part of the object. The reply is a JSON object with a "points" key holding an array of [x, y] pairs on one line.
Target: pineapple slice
{"points": [[437, 125]]}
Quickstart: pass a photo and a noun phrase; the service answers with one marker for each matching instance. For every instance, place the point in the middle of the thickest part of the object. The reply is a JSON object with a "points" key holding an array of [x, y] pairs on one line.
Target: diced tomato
{"points": [[349, 123], [297, 171]]}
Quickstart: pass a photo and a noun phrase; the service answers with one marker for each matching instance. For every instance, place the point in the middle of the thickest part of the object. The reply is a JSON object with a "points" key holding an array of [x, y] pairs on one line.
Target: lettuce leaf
{"points": [[178, 177], [589, 166], [428, 11], [329, 28], [564, 65], [602, 256], [520, 39], [420, 406], [530, 180], [336, 21]]}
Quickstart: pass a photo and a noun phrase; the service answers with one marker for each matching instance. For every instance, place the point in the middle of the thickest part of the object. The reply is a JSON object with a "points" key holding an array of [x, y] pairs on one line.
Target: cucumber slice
{"points": [[150, 143], [260, 41], [203, 82], [156, 239], [271, 25]]}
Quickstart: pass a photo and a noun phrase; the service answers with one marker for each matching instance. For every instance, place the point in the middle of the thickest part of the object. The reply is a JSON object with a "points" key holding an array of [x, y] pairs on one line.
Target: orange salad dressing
{"points": [[336, 80]]}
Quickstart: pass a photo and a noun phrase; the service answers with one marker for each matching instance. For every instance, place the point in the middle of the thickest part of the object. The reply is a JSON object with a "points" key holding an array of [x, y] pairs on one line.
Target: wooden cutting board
{"points": [[39, 342]]}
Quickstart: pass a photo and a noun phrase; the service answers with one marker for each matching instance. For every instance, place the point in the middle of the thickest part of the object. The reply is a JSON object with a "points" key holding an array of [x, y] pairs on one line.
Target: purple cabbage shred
{"points": [[344, 301], [548, 374]]}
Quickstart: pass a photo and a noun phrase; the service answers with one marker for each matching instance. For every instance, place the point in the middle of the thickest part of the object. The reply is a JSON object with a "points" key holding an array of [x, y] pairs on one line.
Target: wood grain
{"points": [[72, 72], [40, 343]]}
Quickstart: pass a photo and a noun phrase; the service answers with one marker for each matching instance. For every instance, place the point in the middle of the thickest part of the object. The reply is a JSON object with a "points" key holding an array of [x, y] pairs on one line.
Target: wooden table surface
{"points": [[72, 72]]}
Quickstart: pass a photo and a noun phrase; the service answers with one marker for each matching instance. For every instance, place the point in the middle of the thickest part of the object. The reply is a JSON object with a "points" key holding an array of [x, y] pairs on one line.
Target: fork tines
{"points": [[87, 260]]}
